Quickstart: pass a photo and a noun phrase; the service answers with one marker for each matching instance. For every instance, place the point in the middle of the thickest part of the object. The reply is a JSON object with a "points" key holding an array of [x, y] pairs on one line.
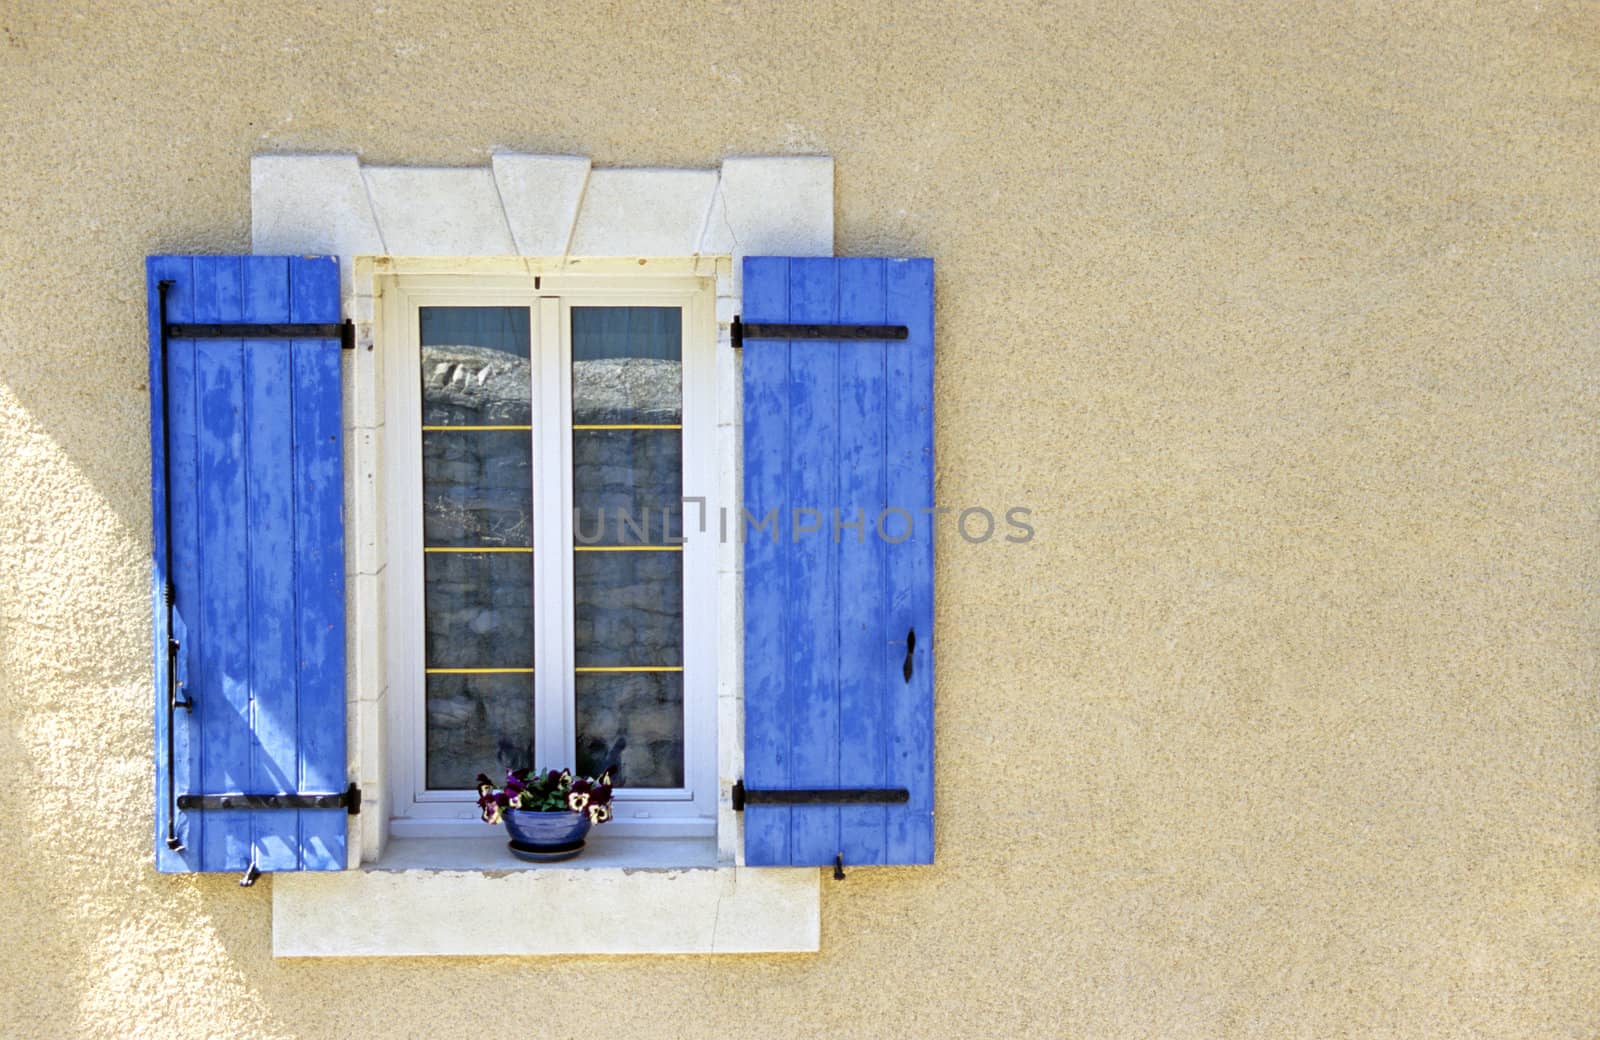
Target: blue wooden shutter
{"points": [[254, 484], [838, 679]]}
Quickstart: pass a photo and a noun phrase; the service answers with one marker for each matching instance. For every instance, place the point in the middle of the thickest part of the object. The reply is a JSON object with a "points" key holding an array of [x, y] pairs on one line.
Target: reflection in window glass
{"points": [[477, 500], [627, 487]]}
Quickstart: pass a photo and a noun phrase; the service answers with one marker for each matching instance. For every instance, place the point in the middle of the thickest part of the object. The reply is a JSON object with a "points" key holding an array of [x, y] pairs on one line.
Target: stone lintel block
{"points": [[541, 194], [643, 212], [772, 206], [311, 204], [438, 211]]}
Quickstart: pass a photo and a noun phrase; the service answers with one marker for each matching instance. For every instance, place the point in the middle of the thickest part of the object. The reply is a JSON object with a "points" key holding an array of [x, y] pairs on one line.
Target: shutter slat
{"points": [[256, 496], [813, 663], [221, 680], [909, 285], [180, 406], [319, 557], [270, 508], [851, 424], [766, 653], [866, 660]]}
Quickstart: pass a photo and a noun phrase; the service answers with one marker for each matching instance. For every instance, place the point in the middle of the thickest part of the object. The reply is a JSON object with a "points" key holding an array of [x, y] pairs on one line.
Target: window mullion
{"points": [[552, 543]]}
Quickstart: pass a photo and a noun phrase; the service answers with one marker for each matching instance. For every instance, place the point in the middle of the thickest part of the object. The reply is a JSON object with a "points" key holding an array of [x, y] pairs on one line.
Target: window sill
{"points": [[487, 851], [473, 898]]}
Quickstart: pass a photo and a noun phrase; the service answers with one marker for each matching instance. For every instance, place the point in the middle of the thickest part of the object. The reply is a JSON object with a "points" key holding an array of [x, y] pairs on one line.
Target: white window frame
{"points": [[415, 811]]}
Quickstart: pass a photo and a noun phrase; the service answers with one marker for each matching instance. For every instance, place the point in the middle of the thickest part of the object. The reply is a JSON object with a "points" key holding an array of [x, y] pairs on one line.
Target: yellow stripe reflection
{"points": [[627, 548], [627, 426], [476, 548], [441, 429], [479, 671], [630, 668]]}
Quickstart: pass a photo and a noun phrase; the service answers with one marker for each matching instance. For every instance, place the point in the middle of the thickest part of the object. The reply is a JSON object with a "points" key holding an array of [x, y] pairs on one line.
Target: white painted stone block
{"points": [[730, 397], [551, 910], [363, 387], [730, 492], [364, 636], [730, 769], [371, 726], [363, 516], [541, 194], [372, 774], [643, 212], [730, 648], [438, 211], [311, 204]]}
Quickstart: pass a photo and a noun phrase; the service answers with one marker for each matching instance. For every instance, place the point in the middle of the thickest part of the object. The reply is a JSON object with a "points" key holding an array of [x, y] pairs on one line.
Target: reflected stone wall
{"points": [[477, 492]]}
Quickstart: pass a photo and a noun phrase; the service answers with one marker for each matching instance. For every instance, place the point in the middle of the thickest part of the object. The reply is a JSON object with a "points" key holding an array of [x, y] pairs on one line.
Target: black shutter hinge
{"points": [[343, 331], [349, 800], [739, 331], [743, 796]]}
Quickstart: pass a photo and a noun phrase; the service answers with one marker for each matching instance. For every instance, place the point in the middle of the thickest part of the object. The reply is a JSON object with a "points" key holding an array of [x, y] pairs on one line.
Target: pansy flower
{"points": [[599, 813], [577, 800]]}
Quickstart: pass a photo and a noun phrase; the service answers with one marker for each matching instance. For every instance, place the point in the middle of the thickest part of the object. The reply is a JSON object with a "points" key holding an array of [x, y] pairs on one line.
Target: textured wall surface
{"points": [[1282, 317]]}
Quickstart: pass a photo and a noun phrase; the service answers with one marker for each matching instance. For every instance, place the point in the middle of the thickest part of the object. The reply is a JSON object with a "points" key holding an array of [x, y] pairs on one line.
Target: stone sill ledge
{"points": [[489, 853], [473, 898]]}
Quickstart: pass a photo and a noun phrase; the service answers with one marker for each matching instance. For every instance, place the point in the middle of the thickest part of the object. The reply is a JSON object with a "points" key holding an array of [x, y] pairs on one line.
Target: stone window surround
{"points": [[558, 212]]}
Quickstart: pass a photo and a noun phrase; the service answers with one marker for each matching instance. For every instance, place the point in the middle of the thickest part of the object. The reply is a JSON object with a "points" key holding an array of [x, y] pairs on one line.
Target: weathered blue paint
{"points": [[865, 656], [847, 427], [767, 708], [813, 562], [258, 562], [908, 286], [180, 402], [319, 560]]}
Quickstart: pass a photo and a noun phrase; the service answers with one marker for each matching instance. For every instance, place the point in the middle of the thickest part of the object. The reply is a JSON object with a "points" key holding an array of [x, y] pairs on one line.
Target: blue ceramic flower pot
{"points": [[546, 831]]}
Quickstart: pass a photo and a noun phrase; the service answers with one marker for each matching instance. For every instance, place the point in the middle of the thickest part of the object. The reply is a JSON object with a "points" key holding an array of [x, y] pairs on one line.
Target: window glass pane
{"points": [[477, 495], [477, 488], [632, 723], [629, 609], [479, 609], [478, 724], [627, 488], [627, 365], [475, 368]]}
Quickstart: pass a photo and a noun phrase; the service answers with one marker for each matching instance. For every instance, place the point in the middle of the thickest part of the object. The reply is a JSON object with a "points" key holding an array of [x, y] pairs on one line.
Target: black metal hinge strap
{"points": [[739, 331], [743, 796], [343, 331], [349, 800]]}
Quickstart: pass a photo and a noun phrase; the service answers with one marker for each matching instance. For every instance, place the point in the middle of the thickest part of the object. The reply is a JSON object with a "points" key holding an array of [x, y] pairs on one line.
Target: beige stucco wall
{"points": [[1283, 319]]}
